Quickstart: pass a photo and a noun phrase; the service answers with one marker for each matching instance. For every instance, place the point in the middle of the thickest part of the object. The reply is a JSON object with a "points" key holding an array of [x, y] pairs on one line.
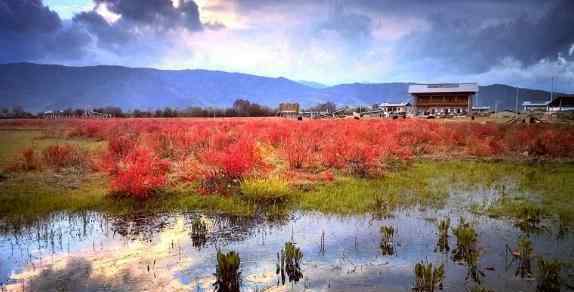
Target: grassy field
{"points": [[546, 187]]}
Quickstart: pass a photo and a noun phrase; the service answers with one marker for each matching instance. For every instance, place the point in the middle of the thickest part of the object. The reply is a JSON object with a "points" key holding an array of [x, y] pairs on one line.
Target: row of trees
{"points": [[240, 108], [16, 112]]}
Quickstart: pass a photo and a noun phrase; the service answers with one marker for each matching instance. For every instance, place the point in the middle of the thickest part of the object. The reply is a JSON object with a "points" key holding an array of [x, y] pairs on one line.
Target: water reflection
{"points": [[309, 251]]}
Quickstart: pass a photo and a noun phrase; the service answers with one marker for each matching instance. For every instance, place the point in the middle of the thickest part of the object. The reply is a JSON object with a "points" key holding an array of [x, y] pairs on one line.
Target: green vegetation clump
{"points": [[466, 250], [228, 276], [548, 276], [525, 251], [443, 227], [289, 263], [198, 233], [266, 190], [387, 240], [428, 278]]}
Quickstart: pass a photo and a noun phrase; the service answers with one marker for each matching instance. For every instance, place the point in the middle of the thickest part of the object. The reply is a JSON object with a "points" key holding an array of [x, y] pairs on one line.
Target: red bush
{"points": [[26, 161], [235, 161], [63, 156], [140, 174], [221, 152]]}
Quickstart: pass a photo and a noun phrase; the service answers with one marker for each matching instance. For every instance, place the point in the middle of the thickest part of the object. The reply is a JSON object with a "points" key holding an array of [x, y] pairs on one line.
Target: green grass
{"points": [[14, 141], [548, 187], [424, 184], [265, 190]]}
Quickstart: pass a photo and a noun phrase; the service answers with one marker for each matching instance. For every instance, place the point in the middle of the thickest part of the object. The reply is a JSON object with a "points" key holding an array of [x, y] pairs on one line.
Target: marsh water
{"points": [[93, 252]]}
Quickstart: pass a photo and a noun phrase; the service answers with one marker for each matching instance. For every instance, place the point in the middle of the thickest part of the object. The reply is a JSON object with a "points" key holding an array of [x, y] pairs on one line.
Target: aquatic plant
{"points": [[198, 233], [443, 227], [322, 248], [387, 240], [466, 250], [466, 238], [548, 275], [529, 218], [524, 256], [289, 263], [428, 278], [227, 274]]}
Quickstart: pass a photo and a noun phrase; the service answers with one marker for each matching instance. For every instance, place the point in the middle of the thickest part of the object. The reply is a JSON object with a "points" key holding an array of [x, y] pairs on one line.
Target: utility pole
{"points": [[552, 90], [516, 101]]}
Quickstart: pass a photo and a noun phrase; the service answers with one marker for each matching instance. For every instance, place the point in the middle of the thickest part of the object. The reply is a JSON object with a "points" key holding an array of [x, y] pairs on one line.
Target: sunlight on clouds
{"points": [[220, 12], [66, 9], [110, 17]]}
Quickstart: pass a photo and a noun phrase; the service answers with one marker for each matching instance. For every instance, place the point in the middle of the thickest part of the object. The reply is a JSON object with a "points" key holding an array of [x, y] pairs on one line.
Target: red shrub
{"points": [[139, 174], [29, 160], [297, 151], [63, 156], [26, 161], [235, 161]]}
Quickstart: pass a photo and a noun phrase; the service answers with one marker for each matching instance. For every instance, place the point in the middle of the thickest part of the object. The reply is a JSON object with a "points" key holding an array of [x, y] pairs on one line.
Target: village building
{"points": [[564, 103], [443, 99], [401, 108], [289, 110], [529, 106], [481, 109]]}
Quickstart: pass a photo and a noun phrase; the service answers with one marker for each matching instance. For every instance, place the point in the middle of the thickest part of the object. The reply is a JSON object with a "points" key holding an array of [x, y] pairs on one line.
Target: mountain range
{"points": [[38, 87]]}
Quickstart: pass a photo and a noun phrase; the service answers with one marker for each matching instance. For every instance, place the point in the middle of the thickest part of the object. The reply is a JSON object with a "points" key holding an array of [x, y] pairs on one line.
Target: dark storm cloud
{"points": [[350, 25], [474, 36], [31, 31], [157, 12], [141, 26]]}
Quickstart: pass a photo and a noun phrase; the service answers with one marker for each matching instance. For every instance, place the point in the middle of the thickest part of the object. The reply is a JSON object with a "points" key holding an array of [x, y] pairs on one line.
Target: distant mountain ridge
{"points": [[38, 87]]}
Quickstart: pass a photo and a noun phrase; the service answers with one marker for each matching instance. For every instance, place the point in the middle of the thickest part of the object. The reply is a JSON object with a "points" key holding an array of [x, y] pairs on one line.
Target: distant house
{"points": [[289, 110], [481, 109], [562, 103], [395, 108], [529, 106], [443, 99]]}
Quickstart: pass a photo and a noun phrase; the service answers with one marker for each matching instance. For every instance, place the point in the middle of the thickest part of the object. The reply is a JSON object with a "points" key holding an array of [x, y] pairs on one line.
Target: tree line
{"points": [[240, 108]]}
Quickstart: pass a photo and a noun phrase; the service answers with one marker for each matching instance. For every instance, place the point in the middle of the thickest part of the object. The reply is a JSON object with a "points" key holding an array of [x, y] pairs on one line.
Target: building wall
{"points": [[434, 103], [289, 107]]}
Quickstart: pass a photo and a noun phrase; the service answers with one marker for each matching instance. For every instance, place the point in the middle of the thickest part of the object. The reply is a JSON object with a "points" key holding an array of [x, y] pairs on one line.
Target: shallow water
{"points": [[93, 252]]}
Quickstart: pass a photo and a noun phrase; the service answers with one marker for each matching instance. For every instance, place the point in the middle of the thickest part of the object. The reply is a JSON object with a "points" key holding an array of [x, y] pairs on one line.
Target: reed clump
{"points": [[428, 278], [443, 227], [548, 275], [228, 276], [289, 263], [387, 240]]}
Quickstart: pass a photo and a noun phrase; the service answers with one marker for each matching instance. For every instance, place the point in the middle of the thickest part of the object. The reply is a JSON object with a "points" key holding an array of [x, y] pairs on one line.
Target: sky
{"points": [[525, 43]]}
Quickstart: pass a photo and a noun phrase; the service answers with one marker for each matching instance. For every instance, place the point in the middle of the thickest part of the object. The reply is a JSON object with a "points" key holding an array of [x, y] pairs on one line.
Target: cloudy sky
{"points": [[521, 42]]}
